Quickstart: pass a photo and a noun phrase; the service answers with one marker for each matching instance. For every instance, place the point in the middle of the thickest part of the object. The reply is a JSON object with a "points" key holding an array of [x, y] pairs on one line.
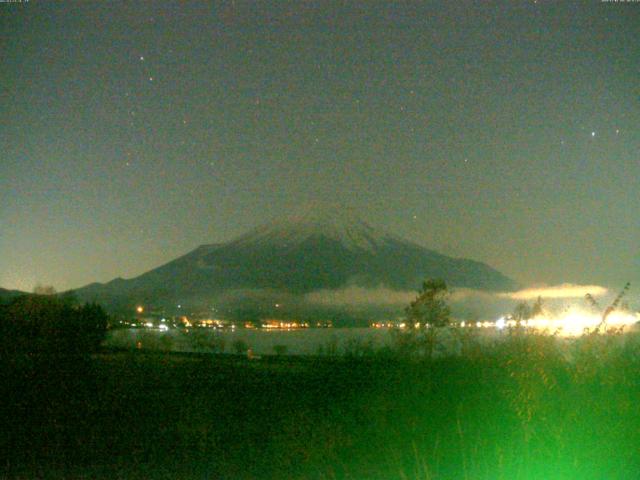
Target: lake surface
{"points": [[310, 341]]}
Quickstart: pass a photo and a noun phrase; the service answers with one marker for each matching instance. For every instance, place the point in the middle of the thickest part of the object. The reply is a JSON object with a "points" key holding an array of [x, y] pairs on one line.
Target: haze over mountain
{"points": [[279, 263]]}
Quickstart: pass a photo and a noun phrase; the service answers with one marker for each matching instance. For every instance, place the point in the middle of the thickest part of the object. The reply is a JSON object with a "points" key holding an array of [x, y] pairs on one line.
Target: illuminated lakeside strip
{"points": [[572, 323]]}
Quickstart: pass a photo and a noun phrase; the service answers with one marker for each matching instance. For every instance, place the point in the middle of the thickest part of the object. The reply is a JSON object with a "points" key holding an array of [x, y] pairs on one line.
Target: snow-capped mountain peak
{"points": [[341, 226], [317, 250]]}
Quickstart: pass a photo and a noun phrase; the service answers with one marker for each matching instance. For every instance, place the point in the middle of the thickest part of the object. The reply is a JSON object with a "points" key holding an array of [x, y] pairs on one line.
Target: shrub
{"points": [[240, 347], [329, 348], [38, 323], [280, 350]]}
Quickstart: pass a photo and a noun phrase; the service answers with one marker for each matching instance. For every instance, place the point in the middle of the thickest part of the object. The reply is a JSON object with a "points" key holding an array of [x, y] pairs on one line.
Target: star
{"points": [[141, 58], [593, 134], [151, 79]]}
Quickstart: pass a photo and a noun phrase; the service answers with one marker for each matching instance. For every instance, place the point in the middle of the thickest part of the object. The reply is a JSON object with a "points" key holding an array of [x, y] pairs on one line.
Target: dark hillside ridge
{"points": [[6, 295]]}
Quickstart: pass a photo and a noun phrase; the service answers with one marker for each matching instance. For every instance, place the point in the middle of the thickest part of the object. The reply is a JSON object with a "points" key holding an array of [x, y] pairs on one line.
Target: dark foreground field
{"points": [[523, 410]]}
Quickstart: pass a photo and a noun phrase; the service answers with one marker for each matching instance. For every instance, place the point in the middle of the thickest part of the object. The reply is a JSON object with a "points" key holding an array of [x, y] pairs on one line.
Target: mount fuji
{"points": [[289, 258]]}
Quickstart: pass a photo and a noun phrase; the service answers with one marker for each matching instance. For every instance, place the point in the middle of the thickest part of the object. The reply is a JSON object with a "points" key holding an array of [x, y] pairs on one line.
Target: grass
{"points": [[528, 408]]}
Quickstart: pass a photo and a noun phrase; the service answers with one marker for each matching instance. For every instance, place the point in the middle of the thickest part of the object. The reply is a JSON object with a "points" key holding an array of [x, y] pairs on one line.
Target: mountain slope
{"points": [[297, 255]]}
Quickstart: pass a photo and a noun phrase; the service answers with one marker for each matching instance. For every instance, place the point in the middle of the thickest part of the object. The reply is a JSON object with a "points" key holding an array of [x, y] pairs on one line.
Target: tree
{"points": [[522, 312], [537, 308], [91, 323], [45, 323], [40, 289], [429, 310], [430, 306]]}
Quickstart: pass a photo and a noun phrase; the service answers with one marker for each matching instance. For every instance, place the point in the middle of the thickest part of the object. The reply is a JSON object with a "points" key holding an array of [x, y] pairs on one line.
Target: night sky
{"points": [[507, 132]]}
